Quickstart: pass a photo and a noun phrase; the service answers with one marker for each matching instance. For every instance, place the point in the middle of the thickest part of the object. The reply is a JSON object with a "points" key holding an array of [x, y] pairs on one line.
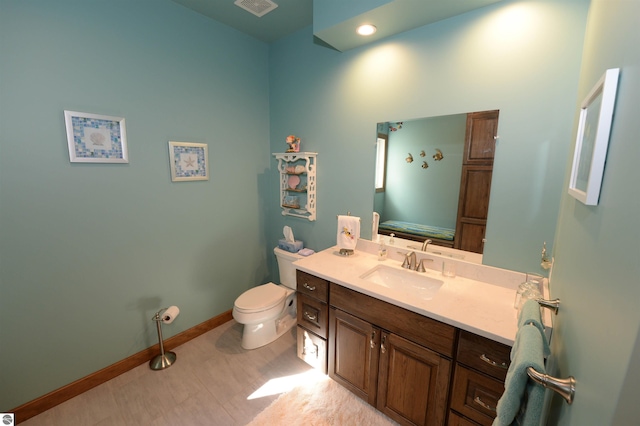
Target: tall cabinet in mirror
{"points": [[475, 183]]}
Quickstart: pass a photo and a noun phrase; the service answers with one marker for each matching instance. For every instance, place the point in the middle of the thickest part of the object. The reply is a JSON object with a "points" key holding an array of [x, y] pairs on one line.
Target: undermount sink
{"points": [[413, 284]]}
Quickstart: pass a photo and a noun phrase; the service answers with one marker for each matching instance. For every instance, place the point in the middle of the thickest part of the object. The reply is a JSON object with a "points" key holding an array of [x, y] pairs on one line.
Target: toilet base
{"points": [[257, 335]]}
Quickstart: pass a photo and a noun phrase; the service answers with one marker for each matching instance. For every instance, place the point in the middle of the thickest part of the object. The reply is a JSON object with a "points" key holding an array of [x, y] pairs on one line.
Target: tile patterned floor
{"points": [[208, 385]]}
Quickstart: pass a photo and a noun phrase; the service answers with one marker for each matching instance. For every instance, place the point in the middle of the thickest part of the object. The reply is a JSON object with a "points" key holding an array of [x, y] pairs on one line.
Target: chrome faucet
{"points": [[425, 244], [410, 261]]}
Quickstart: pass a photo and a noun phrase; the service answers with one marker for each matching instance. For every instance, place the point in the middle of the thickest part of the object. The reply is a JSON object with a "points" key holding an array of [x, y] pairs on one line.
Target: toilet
{"points": [[269, 310]]}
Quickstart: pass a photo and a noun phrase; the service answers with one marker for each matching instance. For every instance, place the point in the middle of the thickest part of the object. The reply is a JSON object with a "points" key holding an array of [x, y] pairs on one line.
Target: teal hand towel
{"points": [[530, 314], [531, 412], [527, 352]]}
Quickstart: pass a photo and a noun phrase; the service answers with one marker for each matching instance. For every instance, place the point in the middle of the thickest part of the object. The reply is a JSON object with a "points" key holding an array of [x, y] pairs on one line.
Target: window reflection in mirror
{"points": [[381, 162]]}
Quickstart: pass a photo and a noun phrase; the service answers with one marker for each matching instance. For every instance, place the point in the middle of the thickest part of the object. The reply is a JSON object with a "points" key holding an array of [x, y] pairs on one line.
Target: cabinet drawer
{"points": [[475, 395], [312, 286], [312, 349], [484, 355], [313, 315]]}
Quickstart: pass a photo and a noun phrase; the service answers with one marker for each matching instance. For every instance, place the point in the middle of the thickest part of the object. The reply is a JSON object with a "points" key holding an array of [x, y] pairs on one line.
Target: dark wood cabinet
{"points": [[402, 378], [475, 182], [400, 362]]}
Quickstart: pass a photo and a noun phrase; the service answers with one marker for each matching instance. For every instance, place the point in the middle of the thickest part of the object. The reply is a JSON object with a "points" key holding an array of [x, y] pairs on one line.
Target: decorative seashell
{"points": [[409, 159], [299, 169], [424, 165]]}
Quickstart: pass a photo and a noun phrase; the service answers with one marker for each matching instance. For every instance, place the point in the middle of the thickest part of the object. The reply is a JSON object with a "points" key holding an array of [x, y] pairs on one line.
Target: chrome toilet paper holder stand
{"points": [[164, 359]]}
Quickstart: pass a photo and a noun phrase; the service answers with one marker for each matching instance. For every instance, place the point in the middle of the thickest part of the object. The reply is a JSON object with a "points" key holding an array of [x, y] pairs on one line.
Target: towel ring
{"points": [[565, 387]]}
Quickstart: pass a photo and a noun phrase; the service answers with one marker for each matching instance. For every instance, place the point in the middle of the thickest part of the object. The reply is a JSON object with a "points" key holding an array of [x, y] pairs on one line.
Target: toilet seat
{"points": [[260, 298]]}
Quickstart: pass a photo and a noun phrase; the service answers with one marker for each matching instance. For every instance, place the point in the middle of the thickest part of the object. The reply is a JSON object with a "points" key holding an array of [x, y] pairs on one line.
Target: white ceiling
{"points": [[292, 15], [287, 18]]}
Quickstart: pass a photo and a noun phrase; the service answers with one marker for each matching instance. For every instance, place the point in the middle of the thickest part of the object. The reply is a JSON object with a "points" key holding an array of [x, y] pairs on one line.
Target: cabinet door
{"points": [[413, 382], [353, 354], [473, 207], [312, 349], [470, 236], [480, 143]]}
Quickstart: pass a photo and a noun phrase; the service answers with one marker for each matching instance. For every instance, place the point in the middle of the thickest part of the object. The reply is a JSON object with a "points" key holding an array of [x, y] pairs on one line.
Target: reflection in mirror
{"points": [[419, 200]]}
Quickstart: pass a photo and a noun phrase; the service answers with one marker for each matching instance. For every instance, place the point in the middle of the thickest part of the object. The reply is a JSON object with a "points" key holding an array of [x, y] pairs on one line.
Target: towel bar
{"points": [[554, 304], [565, 387]]}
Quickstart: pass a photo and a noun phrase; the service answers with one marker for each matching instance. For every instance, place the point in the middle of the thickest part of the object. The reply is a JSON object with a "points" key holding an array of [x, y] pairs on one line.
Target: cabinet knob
{"points": [[372, 341], [382, 348], [309, 287]]}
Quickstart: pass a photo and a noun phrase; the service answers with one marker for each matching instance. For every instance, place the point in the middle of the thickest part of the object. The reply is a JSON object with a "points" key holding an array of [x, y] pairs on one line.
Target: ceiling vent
{"points": [[257, 7]]}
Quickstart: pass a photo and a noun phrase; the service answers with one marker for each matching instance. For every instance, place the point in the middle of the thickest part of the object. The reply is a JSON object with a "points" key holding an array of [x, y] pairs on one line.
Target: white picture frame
{"points": [[95, 138], [188, 161], [592, 141]]}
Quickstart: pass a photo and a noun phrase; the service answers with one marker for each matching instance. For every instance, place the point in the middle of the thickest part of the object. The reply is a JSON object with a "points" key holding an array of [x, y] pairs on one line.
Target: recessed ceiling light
{"points": [[366, 29]]}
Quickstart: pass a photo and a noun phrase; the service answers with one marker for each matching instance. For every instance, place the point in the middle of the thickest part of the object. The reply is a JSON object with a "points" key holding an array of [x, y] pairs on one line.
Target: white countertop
{"points": [[479, 307]]}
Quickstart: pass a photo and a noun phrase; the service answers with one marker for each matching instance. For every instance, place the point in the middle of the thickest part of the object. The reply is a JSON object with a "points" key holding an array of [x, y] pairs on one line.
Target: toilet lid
{"points": [[261, 297]]}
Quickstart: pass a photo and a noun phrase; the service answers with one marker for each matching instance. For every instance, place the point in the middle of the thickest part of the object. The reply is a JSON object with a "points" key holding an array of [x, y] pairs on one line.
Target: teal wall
{"points": [[596, 270], [89, 252], [427, 196], [521, 57]]}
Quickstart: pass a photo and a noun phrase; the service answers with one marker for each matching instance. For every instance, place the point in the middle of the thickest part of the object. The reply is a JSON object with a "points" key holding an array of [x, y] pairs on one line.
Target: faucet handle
{"points": [[421, 267], [406, 263]]}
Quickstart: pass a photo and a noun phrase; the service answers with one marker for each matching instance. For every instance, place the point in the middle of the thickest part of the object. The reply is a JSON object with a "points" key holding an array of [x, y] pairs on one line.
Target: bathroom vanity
{"points": [[424, 357]]}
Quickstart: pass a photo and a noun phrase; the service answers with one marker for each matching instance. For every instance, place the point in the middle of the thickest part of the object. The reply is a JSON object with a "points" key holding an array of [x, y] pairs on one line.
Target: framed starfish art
{"points": [[188, 161]]}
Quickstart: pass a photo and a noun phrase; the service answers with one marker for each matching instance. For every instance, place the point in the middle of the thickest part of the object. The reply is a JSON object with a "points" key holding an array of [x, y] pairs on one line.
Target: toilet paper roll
{"points": [[170, 314]]}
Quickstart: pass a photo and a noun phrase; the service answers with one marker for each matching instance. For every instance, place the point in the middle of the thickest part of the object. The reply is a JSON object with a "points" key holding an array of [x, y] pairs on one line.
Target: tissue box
{"points": [[293, 247]]}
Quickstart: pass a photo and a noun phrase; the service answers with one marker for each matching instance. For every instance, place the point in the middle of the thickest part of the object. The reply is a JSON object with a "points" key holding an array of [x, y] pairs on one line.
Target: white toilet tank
{"points": [[286, 268]]}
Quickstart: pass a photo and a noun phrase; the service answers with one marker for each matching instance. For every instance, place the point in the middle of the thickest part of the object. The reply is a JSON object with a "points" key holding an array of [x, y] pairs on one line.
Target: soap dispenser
{"points": [[382, 251]]}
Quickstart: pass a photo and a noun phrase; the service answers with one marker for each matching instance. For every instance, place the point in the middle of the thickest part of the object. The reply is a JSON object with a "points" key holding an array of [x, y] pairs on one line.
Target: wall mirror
{"points": [[434, 181]]}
